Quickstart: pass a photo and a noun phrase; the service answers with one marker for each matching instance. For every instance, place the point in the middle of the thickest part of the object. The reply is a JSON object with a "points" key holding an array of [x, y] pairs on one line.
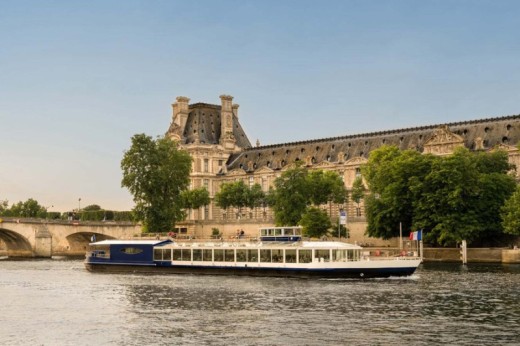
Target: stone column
{"points": [[43, 243], [227, 139], [180, 111]]}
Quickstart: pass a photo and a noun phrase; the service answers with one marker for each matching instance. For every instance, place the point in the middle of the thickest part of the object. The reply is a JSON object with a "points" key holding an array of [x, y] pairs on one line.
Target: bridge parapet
{"points": [[27, 237]]}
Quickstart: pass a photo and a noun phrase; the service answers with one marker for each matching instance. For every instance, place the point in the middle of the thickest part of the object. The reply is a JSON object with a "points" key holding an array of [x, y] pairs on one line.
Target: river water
{"points": [[57, 302]]}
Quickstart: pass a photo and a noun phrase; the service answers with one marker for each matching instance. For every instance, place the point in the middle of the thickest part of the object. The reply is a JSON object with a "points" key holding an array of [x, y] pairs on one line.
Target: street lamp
{"points": [[79, 204]]}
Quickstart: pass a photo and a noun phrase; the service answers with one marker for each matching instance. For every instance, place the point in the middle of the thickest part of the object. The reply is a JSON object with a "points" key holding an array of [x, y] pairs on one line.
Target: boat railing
{"points": [[389, 253]]}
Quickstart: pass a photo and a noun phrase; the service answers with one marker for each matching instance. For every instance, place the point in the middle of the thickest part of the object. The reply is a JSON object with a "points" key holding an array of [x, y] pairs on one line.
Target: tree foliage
{"points": [[290, 196], [92, 207], [195, 198], [326, 187], [510, 213], [155, 172], [29, 208], [358, 190], [297, 189], [315, 222], [237, 194], [4, 206], [391, 175], [452, 198]]}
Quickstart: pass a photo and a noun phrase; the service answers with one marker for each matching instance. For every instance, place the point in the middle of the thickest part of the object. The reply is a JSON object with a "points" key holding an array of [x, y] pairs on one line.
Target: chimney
{"points": [[227, 139], [235, 109], [180, 111]]}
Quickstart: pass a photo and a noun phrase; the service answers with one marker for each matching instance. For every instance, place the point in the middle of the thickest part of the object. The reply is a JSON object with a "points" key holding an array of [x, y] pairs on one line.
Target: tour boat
{"points": [[279, 251]]}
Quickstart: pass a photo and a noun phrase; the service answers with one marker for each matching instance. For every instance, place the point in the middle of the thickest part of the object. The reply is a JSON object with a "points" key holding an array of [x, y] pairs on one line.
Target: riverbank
{"points": [[474, 255]]}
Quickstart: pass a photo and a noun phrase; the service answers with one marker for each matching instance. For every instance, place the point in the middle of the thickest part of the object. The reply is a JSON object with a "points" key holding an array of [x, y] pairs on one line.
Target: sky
{"points": [[79, 78]]}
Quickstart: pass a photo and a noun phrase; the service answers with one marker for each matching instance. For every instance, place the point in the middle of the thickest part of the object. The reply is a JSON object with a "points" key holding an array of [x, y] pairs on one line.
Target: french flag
{"points": [[416, 235]]}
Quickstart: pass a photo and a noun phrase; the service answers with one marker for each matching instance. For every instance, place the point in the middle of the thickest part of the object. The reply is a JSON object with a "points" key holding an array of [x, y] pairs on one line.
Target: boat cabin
{"points": [[285, 234], [306, 252], [124, 251]]}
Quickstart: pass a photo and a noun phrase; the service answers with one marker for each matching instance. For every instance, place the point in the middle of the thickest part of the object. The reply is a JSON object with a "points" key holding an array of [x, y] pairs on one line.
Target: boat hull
{"points": [[329, 273]]}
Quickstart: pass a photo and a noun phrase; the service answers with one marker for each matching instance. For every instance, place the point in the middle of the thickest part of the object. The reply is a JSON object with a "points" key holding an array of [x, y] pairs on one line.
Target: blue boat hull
{"points": [[157, 268]]}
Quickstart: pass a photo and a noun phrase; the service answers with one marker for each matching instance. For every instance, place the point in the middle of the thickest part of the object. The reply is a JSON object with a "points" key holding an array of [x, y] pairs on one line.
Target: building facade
{"points": [[222, 152]]}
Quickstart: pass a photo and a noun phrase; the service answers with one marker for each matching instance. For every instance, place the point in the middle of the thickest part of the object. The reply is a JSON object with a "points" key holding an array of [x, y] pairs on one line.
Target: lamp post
{"points": [[79, 204]]}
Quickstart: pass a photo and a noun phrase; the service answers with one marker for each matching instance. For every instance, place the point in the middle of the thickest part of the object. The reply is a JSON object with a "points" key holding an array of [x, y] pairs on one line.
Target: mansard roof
{"points": [[203, 124], [476, 134]]}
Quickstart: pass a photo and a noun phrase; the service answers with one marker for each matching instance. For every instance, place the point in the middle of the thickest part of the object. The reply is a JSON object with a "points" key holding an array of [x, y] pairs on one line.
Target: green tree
{"points": [[194, 199], [156, 171], [256, 197], [233, 194], [29, 208], [290, 197], [510, 213], [460, 199], [391, 175], [452, 198], [92, 207], [239, 195], [315, 222], [358, 190], [4, 207], [326, 187]]}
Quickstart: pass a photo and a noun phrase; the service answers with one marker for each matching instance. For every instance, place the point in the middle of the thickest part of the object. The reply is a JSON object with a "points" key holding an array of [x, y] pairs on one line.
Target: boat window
{"points": [[197, 254], [241, 255], [277, 255], [288, 231], [167, 254], [265, 255], [352, 255], [131, 250], [218, 255], [157, 254], [304, 256], [290, 256], [181, 255], [339, 255], [277, 231], [263, 232], [322, 255], [207, 255], [252, 255], [229, 255]]}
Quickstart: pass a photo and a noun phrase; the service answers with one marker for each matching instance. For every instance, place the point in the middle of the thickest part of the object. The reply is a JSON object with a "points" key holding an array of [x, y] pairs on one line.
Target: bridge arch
{"points": [[79, 241], [16, 244]]}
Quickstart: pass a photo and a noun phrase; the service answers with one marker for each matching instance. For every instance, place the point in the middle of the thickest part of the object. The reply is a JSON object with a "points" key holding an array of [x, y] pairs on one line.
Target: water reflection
{"points": [[441, 304]]}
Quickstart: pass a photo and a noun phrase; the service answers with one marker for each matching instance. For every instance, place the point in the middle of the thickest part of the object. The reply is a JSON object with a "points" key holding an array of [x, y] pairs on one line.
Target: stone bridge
{"points": [[47, 238]]}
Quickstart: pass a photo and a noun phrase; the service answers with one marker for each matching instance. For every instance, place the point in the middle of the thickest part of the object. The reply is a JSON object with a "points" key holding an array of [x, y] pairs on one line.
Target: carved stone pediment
{"points": [[356, 161], [236, 171], [264, 170], [505, 147], [323, 164], [289, 166], [443, 142]]}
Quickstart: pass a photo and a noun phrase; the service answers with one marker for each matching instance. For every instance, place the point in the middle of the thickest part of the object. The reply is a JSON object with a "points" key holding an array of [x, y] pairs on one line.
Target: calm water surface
{"points": [[57, 302]]}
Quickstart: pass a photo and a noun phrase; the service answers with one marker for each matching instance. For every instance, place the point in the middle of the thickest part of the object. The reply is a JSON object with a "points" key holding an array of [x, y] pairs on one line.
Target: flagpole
{"points": [[400, 236]]}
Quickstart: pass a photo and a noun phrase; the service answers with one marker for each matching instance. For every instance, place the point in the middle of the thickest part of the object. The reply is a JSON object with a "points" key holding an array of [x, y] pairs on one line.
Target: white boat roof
{"points": [[127, 242], [329, 244], [266, 245]]}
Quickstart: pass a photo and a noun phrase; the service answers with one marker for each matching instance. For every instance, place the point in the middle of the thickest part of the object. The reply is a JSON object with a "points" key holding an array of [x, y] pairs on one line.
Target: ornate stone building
{"points": [[221, 152]]}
